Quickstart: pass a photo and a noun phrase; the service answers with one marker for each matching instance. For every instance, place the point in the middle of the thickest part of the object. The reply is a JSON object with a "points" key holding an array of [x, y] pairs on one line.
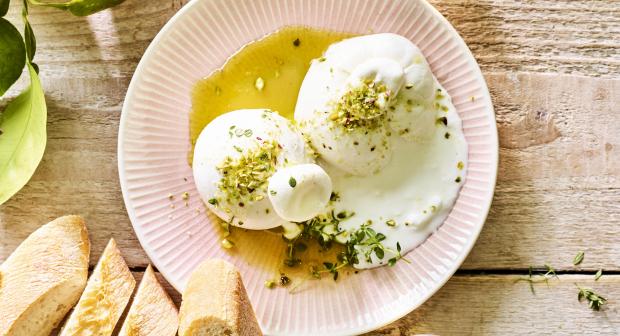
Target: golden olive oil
{"points": [[263, 74]]}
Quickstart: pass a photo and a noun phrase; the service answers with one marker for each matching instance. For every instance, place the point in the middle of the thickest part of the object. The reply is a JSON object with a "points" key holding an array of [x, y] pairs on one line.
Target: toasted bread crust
{"points": [[152, 311], [44, 277], [215, 302]]}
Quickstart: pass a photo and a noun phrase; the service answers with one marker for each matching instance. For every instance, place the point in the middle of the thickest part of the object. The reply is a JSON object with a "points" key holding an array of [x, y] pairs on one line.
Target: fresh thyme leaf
{"points": [[532, 278], [379, 252], [12, 55], [578, 258], [595, 301], [398, 247], [292, 182], [598, 274]]}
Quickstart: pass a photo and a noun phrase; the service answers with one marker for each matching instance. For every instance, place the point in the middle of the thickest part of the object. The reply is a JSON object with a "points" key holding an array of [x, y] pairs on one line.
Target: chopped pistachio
{"points": [[322, 59], [227, 244], [390, 222], [185, 195], [359, 108], [457, 179], [243, 176], [270, 284], [259, 84], [460, 165]]}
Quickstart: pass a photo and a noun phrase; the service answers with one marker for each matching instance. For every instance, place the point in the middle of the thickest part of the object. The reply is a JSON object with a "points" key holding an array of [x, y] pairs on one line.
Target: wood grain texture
{"points": [[553, 70], [497, 305]]}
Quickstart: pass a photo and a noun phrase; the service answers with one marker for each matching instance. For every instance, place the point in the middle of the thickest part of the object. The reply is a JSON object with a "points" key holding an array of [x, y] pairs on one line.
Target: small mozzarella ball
{"points": [[300, 192]]}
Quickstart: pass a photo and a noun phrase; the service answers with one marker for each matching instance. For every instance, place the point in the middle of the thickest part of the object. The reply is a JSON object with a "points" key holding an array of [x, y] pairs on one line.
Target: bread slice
{"points": [[44, 277], [152, 311], [215, 303], [107, 292]]}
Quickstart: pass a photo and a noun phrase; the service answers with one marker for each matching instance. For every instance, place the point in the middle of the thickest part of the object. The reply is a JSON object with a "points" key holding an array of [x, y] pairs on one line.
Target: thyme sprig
{"points": [[595, 301], [532, 278], [325, 229]]}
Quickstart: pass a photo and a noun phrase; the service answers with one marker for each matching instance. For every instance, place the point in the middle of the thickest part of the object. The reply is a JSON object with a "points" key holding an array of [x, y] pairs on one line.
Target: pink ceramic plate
{"points": [[154, 141]]}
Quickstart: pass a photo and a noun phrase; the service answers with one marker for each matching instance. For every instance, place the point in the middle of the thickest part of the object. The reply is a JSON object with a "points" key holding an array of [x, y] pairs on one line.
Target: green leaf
{"points": [[4, 7], [23, 137], [598, 274], [379, 252], [80, 7], [578, 258], [12, 55]]}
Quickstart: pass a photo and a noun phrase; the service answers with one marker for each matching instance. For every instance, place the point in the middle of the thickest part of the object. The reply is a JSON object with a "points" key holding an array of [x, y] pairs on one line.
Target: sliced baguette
{"points": [[107, 292], [44, 277], [152, 311], [215, 303]]}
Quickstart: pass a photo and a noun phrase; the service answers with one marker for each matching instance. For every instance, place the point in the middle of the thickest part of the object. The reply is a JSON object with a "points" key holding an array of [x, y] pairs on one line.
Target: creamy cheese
{"points": [[388, 136], [238, 154]]}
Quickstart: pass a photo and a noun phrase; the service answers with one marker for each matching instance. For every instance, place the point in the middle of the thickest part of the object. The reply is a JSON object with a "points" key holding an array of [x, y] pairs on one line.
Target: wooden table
{"points": [[553, 68]]}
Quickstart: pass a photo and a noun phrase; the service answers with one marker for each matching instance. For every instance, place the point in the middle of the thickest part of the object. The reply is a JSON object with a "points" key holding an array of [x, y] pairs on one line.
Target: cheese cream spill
{"points": [[389, 138]]}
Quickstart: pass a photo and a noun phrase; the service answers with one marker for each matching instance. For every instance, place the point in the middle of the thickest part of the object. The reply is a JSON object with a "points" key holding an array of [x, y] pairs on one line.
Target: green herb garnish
{"points": [[595, 301], [598, 274], [578, 258], [292, 182], [532, 278]]}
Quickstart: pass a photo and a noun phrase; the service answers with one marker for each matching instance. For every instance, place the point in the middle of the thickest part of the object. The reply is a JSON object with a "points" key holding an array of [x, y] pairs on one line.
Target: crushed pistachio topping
{"points": [[270, 284], [359, 107], [244, 176], [460, 165], [259, 84], [227, 244]]}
